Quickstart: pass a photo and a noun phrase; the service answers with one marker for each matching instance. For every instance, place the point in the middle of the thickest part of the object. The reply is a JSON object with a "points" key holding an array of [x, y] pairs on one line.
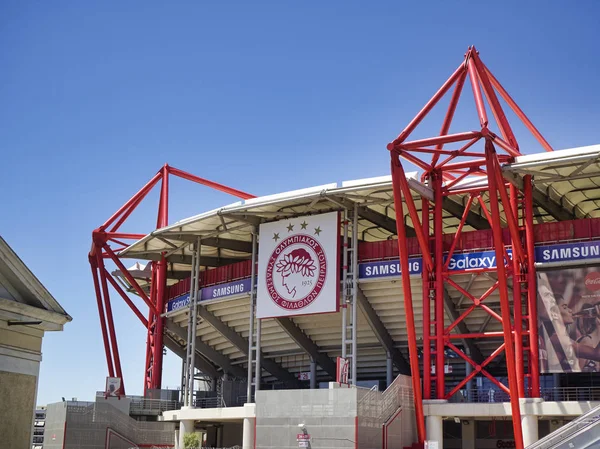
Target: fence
{"points": [[548, 394]]}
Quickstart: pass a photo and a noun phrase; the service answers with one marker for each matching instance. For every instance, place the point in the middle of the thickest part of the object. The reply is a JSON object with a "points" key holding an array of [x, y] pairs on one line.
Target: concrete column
{"points": [[435, 429], [468, 434], [468, 371], [248, 433], [530, 429], [389, 370], [185, 426], [313, 374]]}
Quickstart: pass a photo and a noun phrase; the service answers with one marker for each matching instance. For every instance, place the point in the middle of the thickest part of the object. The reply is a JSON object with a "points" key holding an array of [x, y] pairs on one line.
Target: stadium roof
{"points": [[566, 186]]}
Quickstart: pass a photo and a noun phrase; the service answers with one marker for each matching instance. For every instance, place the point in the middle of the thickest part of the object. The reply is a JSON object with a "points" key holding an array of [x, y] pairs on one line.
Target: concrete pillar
{"points": [[220, 436], [468, 434], [248, 433], [313, 374], [530, 429], [435, 429], [468, 370], [556, 387], [389, 370], [185, 426]]}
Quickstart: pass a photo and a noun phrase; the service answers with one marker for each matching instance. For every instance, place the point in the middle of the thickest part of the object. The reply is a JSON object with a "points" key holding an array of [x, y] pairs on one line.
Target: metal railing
{"points": [[210, 402], [581, 424], [548, 394], [141, 405]]}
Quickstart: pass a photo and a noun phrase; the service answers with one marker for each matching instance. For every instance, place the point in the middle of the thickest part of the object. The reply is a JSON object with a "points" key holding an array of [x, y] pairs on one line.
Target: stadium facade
{"points": [[453, 306]]}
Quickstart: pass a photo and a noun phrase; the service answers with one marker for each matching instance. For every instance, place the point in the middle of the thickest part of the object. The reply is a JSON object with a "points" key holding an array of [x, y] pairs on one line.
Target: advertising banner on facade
{"points": [[298, 266], [113, 386], [569, 320]]}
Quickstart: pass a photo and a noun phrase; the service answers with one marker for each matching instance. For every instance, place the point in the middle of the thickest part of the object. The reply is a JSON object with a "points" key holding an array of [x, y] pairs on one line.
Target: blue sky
{"points": [[263, 96]]}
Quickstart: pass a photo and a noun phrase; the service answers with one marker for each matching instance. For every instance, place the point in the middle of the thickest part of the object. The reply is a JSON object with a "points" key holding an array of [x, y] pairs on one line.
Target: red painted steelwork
{"points": [[156, 294], [455, 166]]}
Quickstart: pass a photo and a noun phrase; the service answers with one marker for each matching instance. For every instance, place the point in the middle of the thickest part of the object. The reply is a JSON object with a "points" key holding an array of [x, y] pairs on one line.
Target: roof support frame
{"points": [[207, 351], [383, 221], [308, 345], [453, 314], [382, 333], [241, 344], [201, 364]]}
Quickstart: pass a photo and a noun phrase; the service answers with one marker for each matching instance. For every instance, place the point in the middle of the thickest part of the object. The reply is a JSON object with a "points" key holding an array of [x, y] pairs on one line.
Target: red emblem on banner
{"points": [[592, 281], [296, 272]]}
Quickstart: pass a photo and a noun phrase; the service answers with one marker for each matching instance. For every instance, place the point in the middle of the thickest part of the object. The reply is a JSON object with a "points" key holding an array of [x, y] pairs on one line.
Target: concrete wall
{"points": [[56, 416], [232, 434], [17, 409], [401, 430], [328, 415], [20, 355], [370, 429]]}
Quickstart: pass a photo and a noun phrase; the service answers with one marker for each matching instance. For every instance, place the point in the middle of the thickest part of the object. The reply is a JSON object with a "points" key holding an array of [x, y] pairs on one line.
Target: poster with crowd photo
{"points": [[569, 320]]}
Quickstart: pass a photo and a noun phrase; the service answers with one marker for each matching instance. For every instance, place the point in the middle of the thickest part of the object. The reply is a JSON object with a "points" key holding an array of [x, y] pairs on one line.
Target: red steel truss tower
{"points": [[107, 241], [479, 152]]}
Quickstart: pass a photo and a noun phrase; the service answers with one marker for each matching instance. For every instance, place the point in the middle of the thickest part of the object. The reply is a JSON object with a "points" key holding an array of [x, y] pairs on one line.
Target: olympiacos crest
{"points": [[298, 266]]}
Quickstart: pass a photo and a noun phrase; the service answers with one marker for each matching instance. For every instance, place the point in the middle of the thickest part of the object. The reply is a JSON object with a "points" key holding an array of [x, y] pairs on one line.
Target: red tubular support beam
{"points": [[123, 295], [397, 177], [504, 300], [120, 235], [412, 211], [109, 363], [495, 105], [111, 326], [438, 219], [517, 303], [459, 319], [450, 113], [449, 138], [134, 199], [426, 307], [517, 110], [483, 120], [428, 107], [534, 360], [130, 278], [511, 219], [458, 231], [413, 159], [461, 151], [211, 184]]}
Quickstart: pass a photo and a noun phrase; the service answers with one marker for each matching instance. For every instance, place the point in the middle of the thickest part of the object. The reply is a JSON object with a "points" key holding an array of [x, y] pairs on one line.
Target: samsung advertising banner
{"points": [[569, 320], [298, 266]]}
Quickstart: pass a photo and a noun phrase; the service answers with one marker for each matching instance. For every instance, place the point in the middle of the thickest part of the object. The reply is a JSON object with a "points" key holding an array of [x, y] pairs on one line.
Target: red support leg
{"points": [[111, 325], [503, 290], [517, 302], [408, 302], [123, 295], [426, 308], [438, 222], [109, 362], [430, 104], [534, 360]]}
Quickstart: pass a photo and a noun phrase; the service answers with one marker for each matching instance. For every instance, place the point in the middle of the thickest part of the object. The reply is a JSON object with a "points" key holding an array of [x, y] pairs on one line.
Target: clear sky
{"points": [[263, 96]]}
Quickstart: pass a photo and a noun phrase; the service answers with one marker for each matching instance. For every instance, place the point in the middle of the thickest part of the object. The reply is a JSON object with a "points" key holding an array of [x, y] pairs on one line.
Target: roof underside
{"points": [[565, 187]]}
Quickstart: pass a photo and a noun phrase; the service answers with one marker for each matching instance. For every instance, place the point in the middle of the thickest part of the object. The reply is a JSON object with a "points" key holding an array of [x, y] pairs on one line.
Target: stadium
{"points": [[451, 304]]}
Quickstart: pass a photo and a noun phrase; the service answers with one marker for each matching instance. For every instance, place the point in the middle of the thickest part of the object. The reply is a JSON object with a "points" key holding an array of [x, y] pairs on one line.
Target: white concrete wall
{"points": [[329, 417]]}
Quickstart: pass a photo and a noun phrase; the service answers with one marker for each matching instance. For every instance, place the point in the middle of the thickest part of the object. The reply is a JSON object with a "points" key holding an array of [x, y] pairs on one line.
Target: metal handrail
{"points": [[479, 395], [585, 421]]}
